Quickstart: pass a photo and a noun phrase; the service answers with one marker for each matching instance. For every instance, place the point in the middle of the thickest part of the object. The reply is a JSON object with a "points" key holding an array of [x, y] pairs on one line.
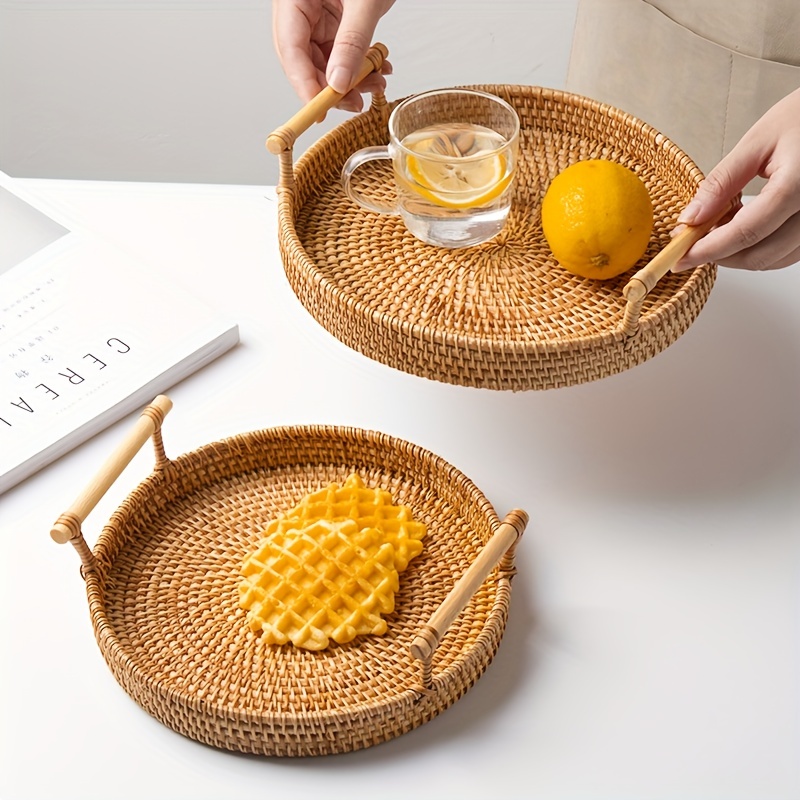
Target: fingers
{"points": [[773, 252], [315, 37], [787, 261], [354, 100], [723, 183], [356, 30], [733, 208], [292, 28], [760, 236], [765, 233]]}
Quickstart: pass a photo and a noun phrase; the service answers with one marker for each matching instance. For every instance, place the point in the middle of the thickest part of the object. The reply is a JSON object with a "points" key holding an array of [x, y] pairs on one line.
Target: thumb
{"points": [[353, 39], [722, 184]]}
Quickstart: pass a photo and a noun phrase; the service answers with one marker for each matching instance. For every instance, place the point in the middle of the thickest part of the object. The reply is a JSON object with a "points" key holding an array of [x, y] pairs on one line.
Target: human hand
{"points": [[323, 42], [763, 234]]}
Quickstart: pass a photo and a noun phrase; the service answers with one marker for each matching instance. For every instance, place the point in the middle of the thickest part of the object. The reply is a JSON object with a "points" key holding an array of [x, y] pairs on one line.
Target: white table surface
{"points": [[653, 646]]}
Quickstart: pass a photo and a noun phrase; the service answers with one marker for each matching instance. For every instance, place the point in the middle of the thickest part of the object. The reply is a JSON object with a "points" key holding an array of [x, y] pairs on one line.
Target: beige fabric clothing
{"points": [[700, 71], [759, 28]]}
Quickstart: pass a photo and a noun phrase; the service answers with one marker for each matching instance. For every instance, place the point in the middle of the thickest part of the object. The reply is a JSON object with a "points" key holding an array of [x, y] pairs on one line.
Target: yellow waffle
{"points": [[369, 508], [326, 580]]}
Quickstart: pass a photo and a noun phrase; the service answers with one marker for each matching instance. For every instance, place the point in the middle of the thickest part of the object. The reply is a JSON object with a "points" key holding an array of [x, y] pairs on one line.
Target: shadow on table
{"points": [[717, 412]]}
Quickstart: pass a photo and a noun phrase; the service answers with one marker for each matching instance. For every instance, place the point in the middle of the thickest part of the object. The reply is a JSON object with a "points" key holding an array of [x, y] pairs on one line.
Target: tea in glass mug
{"points": [[454, 154]]}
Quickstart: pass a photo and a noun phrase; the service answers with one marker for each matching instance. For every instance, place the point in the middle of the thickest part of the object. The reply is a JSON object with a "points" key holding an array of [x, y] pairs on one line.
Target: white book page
{"points": [[87, 334]]}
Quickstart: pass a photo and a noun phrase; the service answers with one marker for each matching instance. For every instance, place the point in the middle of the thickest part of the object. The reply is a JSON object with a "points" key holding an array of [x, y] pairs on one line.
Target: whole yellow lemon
{"points": [[597, 218]]}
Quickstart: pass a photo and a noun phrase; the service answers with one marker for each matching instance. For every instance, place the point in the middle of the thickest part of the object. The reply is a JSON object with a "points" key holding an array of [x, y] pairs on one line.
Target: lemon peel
{"points": [[597, 218]]}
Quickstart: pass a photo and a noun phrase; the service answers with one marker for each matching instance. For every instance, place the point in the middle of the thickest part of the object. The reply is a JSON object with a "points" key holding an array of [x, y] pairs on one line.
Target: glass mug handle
{"points": [[356, 160]]}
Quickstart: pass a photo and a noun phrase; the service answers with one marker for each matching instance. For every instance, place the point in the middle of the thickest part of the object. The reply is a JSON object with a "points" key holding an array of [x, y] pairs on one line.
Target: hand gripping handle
{"points": [[283, 138], [643, 282]]}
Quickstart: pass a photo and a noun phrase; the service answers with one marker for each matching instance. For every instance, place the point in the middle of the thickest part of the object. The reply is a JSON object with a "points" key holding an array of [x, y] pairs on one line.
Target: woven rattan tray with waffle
{"points": [[501, 315], [163, 585]]}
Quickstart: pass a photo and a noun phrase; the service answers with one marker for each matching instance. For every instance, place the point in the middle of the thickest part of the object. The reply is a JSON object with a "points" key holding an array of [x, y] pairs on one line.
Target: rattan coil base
{"points": [[501, 315], [162, 590]]}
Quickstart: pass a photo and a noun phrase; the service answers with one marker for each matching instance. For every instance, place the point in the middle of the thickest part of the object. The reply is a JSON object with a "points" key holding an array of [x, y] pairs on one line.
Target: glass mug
{"points": [[454, 155]]}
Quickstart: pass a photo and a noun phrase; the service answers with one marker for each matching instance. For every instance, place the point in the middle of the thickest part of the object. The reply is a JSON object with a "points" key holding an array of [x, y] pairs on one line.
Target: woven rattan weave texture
{"points": [[501, 315], [162, 591]]}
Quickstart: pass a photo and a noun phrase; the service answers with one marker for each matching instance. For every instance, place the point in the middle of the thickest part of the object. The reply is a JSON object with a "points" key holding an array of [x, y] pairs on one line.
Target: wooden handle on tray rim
{"points": [[68, 526], [651, 273], [283, 138], [506, 535]]}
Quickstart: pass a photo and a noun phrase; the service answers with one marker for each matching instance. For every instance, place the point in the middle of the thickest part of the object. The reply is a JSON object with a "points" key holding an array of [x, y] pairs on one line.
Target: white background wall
{"points": [[187, 90]]}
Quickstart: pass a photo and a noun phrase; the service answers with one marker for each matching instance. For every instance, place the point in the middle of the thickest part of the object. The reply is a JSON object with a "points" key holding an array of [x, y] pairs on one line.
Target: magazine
{"points": [[88, 334]]}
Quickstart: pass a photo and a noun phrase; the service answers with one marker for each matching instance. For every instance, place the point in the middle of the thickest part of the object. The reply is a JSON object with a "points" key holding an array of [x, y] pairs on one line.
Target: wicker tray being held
{"points": [[501, 315], [162, 585]]}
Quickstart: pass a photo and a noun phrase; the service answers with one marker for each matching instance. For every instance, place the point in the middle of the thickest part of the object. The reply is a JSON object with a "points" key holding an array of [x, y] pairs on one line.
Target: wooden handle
{"points": [[67, 527], [648, 276], [283, 138], [503, 538]]}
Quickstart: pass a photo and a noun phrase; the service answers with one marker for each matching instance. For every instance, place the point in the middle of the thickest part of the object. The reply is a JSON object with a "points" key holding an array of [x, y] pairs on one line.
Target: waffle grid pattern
{"points": [[327, 570]]}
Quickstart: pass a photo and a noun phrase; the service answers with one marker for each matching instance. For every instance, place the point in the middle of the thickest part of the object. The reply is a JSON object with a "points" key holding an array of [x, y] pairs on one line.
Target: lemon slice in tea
{"points": [[458, 167]]}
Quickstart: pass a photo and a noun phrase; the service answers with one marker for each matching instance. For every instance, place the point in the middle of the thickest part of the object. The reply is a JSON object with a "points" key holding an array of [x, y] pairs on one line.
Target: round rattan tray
{"points": [[501, 315], [162, 586]]}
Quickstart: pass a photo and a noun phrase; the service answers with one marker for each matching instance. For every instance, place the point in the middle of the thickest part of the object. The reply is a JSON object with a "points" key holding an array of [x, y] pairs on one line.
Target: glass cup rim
{"points": [[395, 142]]}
